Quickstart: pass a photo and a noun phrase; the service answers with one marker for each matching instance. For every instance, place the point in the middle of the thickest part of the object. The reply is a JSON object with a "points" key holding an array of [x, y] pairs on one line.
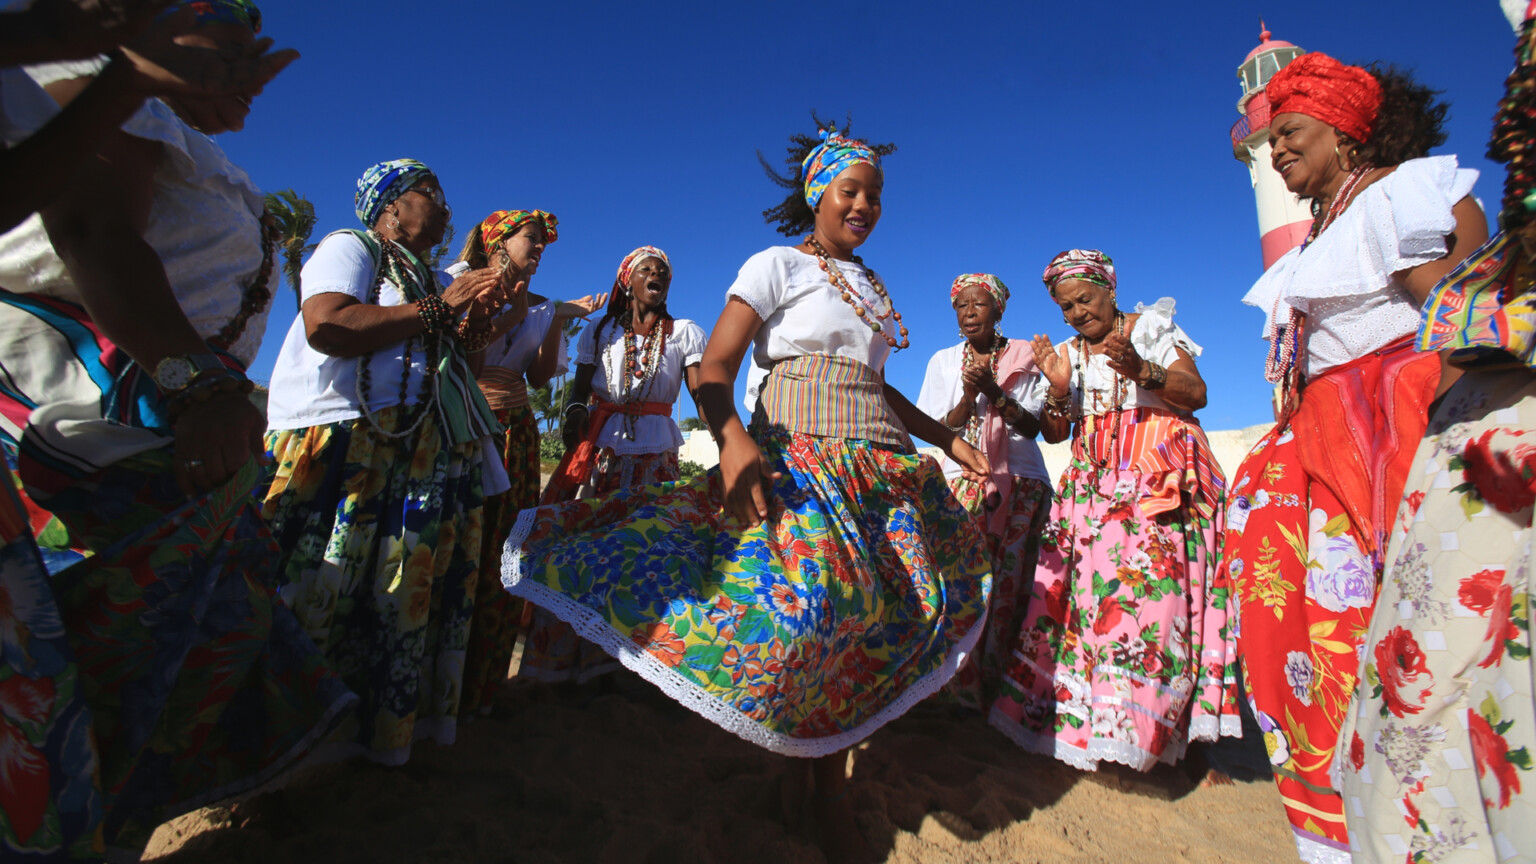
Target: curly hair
{"points": [[793, 216], [1409, 123]]}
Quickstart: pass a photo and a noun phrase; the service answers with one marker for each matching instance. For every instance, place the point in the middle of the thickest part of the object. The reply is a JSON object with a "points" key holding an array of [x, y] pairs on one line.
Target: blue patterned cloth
{"points": [[384, 183], [217, 11], [834, 155]]}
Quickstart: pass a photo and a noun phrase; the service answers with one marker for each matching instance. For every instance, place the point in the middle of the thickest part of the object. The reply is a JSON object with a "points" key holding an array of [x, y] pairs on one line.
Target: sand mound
{"points": [[560, 777]]}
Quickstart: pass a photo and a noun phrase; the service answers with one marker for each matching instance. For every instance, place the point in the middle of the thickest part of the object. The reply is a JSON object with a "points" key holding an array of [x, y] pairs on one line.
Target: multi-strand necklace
{"points": [[1120, 388], [972, 432], [633, 380], [396, 269], [1285, 337], [871, 312]]}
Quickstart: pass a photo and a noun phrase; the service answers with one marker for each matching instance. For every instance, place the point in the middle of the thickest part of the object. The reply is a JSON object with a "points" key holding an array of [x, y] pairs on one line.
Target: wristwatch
{"points": [[178, 371], [1000, 401], [1153, 377]]}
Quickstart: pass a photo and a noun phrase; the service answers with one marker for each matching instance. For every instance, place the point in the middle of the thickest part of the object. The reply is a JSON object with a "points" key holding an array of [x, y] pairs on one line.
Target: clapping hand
{"points": [[80, 29], [1122, 355], [1051, 364]]}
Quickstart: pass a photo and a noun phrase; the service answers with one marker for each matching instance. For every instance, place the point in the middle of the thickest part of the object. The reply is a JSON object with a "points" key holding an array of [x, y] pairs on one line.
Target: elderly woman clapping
{"points": [[379, 439]]}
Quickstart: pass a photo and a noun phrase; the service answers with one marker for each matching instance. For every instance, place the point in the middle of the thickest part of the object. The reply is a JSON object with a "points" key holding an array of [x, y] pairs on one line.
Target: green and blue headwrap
{"points": [[383, 183], [832, 157], [225, 11]]}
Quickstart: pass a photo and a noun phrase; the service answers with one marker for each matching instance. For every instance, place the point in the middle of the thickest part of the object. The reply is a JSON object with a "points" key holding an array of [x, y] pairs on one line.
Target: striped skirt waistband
{"points": [[830, 397], [503, 388]]}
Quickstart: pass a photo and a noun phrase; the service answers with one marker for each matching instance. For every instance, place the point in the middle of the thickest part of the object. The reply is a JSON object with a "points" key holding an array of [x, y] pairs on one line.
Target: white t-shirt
{"points": [[312, 389], [204, 221], [1155, 337], [942, 389], [802, 313], [654, 434], [1345, 280], [517, 349]]}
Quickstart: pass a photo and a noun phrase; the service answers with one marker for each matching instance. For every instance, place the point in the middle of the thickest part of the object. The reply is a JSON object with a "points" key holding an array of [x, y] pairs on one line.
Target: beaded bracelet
{"points": [[475, 340], [205, 388], [574, 405], [434, 312], [1058, 406]]}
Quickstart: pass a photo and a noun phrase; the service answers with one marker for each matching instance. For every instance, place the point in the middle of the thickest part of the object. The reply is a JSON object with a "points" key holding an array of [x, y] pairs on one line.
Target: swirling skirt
{"points": [[493, 630], [856, 599], [1014, 555], [382, 542], [553, 652]]}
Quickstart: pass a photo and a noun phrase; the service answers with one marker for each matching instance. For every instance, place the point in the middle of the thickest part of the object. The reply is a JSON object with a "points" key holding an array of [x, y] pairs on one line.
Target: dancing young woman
{"points": [[1312, 504], [632, 364], [526, 349], [987, 389], [824, 579], [1125, 654]]}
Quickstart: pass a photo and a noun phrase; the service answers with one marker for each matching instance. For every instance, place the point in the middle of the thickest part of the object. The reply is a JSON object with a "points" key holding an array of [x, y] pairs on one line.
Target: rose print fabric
{"points": [[493, 629], [1125, 653], [553, 652], [382, 552], [1014, 555], [1436, 756], [1305, 572], [854, 600]]}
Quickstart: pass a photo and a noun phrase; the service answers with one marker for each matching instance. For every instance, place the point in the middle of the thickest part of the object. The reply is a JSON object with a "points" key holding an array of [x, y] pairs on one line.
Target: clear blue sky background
{"points": [[1024, 128]]}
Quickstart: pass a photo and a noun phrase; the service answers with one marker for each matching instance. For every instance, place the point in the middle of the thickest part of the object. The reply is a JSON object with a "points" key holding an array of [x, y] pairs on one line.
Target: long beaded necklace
{"points": [[870, 312], [972, 432], [395, 268], [1285, 338], [1085, 420], [256, 295], [636, 375]]}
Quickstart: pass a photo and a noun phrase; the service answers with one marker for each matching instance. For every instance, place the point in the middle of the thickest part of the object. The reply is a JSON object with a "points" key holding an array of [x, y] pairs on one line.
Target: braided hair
{"points": [[793, 217]]}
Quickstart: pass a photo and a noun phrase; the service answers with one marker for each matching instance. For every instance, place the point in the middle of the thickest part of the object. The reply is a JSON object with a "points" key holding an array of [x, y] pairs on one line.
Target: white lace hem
{"points": [[1084, 759], [591, 626], [1208, 728]]}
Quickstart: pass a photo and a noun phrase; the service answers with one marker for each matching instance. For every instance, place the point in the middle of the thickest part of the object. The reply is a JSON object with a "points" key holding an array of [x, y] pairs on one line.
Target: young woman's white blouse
{"points": [[1345, 281], [653, 434], [1155, 337], [942, 389], [312, 389], [204, 221], [517, 349]]}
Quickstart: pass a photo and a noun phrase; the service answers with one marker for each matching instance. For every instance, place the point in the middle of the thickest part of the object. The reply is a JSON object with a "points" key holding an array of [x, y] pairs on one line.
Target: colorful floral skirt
{"points": [[51, 804], [1125, 654], [855, 600], [383, 551], [553, 651], [493, 629], [1436, 754], [201, 684], [1306, 577], [1013, 556]]}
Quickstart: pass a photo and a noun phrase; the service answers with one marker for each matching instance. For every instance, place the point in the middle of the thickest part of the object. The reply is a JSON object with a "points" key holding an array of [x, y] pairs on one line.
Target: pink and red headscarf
{"points": [[1343, 96], [1089, 265], [991, 284]]}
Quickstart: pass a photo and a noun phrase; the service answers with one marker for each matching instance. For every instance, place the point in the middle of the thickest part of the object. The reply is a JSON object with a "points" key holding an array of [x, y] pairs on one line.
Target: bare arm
{"points": [[970, 460], [574, 424], [1054, 427], [340, 325], [745, 473], [543, 365]]}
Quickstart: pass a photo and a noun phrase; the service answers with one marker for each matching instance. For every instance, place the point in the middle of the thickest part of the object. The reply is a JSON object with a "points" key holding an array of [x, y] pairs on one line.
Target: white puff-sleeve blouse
{"points": [[655, 433]]}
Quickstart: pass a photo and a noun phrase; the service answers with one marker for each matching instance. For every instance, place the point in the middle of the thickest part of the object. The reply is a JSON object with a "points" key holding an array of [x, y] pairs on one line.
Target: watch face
{"points": [[173, 373]]}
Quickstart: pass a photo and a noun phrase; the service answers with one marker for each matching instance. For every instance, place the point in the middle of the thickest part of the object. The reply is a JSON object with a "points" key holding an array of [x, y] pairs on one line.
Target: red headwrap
{"points": [[1345, 97]]}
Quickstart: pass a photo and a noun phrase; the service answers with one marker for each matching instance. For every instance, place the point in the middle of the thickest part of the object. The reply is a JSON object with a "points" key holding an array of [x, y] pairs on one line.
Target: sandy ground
{"points": [[561, 777]]}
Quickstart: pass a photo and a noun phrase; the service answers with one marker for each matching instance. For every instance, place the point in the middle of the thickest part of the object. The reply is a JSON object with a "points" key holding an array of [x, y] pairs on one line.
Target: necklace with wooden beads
{"points": [[870, 313], [972, 432], [396, 269], [641, 364], [1120, 389]]}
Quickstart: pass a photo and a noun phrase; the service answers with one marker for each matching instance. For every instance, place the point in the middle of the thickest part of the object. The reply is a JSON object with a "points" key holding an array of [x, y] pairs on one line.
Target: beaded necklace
{"points": [[972, 432], [870, 312], [1084, 419], [1285, 338], [257, 294], [636, 375], [394, 267]]}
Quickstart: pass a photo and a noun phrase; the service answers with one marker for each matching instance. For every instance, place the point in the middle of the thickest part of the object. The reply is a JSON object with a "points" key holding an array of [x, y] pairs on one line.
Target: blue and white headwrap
{"points": [[830, 158], [226, 11], [383, 183]]}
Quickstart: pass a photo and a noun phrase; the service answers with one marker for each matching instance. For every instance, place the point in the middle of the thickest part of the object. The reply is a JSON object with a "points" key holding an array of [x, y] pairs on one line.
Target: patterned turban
{"points": [[1345, 97], [383, 183], [633, 259], [832, 156], [992, 284], [225, 11], [1089, 265], [504, 223]]}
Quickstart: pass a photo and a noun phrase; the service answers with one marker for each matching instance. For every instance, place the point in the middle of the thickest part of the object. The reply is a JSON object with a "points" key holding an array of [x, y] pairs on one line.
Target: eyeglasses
{"points": [[435, 195]]}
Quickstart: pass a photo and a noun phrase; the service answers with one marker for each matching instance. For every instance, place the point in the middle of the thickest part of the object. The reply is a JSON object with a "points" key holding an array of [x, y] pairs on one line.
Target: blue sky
{"points": [[1024, 128]]}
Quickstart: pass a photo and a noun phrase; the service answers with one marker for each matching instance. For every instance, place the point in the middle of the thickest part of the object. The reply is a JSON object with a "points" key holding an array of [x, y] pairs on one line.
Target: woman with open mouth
{"points": [[1126, 653], [631, 367], [823, 579], [1313, 503]]}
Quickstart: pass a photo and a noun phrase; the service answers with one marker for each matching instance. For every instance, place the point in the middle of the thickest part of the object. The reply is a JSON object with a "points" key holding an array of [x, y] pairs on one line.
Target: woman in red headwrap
{"points": [[526, 349], [1312, 503]]}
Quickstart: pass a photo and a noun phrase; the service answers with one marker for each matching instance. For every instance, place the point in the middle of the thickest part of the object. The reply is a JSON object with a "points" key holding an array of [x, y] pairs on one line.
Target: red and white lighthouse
{"points": [[1283, 219]]}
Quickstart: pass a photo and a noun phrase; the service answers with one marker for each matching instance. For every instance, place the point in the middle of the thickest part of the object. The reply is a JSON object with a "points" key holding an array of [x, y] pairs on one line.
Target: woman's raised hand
{"points": [[582, 307], [1122, 355], [1051, 364], [471, 287]]}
